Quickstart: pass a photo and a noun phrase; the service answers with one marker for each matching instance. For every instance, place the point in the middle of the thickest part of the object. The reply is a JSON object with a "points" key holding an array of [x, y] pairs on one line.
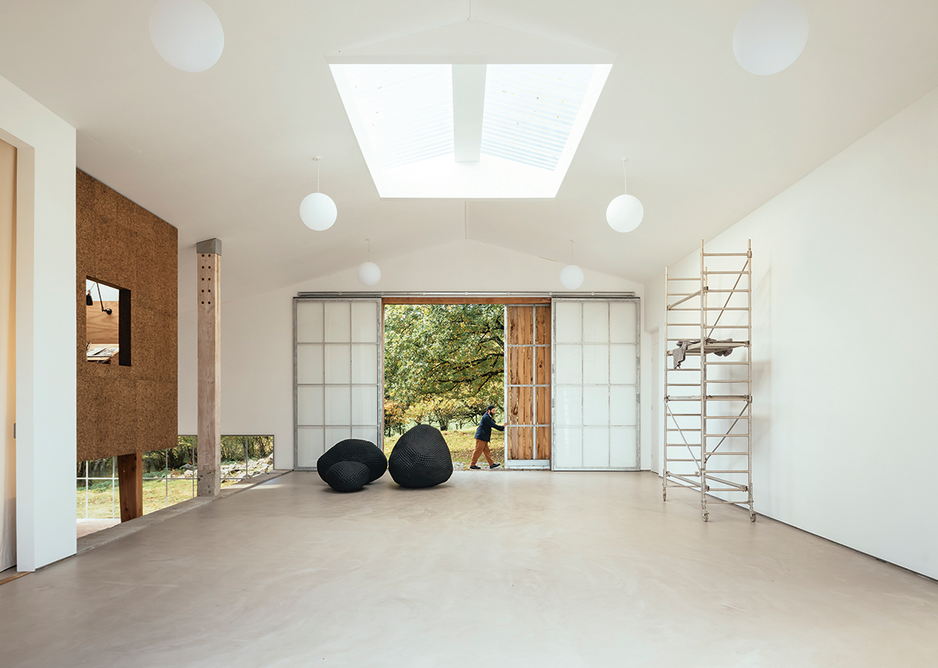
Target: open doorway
{"points": [[447, 360]]}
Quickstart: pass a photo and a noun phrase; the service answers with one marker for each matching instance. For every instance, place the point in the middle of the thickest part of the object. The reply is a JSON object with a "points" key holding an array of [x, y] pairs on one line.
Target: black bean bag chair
{"points": [[354, 450], [421, 458], [347, 476]]}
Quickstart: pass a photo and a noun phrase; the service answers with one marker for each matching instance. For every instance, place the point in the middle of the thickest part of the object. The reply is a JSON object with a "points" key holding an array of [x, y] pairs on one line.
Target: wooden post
{"points": [[130, 483], [209, 326]]}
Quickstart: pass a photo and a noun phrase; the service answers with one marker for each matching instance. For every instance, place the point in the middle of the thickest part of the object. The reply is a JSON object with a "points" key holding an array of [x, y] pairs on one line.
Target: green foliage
{"points": [[443, 363]]}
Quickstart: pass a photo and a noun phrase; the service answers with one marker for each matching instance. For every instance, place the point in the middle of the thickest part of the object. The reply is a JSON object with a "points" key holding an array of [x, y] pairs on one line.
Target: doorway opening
{"points": [[447, 360]]}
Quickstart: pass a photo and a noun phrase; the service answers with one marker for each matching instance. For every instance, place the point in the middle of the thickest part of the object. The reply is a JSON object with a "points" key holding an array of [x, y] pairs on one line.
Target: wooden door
{"points": [[527, 386]]}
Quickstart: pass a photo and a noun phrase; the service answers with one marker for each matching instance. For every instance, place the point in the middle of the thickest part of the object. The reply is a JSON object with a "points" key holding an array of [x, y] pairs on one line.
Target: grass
{"points": [[104, 501], [461, 444]]}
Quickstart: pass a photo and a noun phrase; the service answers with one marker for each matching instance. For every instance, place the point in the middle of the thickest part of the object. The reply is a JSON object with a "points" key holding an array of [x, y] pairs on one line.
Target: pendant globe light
{"points": [[368, 272], [571, 276], [187, 34], [625, 212], [317, 210], [770, 36]]}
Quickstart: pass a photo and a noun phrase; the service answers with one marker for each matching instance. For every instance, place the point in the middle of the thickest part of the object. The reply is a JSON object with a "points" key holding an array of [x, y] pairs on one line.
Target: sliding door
{"points": [[527, 386], [337, 375], [596, 383]]}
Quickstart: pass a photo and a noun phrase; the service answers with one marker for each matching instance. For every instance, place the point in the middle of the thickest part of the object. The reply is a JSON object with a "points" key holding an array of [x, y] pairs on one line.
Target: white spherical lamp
{"points": [[187, 34], [624, 213], [369, 273], [770, 36], [571, 277], [318, 211]]}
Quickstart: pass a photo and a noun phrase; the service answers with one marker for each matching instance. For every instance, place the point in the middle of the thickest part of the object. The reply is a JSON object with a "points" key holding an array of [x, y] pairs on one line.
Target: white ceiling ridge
{"points": [[472, 42]]}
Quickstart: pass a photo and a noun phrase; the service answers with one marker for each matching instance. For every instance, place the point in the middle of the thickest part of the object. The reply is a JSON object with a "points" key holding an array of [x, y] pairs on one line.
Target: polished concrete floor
{"points": [[492, 569]]}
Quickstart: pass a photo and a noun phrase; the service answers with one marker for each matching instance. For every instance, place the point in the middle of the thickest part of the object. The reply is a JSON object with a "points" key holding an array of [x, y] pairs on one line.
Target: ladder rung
{"points": [[726, 254], [670, 429], [728, 417], [731, 273]]}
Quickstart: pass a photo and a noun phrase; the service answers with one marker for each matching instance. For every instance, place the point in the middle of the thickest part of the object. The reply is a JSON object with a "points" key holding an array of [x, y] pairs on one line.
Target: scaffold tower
{"points": [[708, 381]]}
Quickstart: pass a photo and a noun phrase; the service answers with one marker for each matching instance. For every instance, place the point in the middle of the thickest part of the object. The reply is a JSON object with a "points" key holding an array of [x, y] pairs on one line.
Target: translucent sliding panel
{"points": [[622, 451], [364, 404], [310, 444], [309, 405], [596, 447], [596, 405], [623, 322], [309, 322], [568, 447], [595, 384], [568, 322], [568, 364], [622, 364], [595, 365], [364, 316], [596, 322], [338, 364], [338, 322], [365, 364], [338, 404], [337, 374], [308, 363]]}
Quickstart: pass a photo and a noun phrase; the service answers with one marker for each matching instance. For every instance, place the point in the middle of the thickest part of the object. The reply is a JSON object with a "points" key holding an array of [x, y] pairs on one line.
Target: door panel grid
{"points": [[337, 375], [596, 384]]}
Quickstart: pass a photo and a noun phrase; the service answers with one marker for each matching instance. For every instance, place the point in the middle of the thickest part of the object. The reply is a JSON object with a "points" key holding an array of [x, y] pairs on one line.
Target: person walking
{"points": [[483, 436]]}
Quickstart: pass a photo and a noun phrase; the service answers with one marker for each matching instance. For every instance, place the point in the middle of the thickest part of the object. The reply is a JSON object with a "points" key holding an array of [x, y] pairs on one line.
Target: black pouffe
{"points": [[347, 476], [421, 458], [354, 450]]}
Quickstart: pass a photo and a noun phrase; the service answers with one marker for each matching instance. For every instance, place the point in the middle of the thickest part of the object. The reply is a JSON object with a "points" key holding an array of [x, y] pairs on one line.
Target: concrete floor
{"points": [[491, 569]]}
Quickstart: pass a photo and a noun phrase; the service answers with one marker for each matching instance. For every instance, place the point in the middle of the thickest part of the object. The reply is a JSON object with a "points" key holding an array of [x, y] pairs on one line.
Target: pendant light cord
{"points": [[625, 178]]}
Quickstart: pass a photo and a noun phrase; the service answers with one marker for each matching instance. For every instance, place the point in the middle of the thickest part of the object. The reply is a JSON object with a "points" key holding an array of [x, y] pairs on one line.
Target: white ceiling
{"points": [[227, 153]]}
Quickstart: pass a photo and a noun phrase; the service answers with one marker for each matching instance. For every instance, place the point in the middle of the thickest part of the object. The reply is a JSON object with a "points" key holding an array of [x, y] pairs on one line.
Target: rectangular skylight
{"points": [[530, 111], [407, 110], [533, 117]]}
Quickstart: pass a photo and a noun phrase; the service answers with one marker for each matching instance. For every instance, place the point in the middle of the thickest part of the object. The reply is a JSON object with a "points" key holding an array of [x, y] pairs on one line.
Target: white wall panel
{"points": [[844, 289]]}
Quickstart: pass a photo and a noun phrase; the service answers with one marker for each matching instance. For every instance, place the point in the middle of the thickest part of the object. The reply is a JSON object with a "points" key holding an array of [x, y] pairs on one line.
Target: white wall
{"points": [[45, 328], [844, 313], [257, 332]]}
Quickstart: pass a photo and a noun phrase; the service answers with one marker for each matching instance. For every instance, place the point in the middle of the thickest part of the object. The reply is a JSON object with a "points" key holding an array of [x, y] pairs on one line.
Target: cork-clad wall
{"points": [[126, 409]]}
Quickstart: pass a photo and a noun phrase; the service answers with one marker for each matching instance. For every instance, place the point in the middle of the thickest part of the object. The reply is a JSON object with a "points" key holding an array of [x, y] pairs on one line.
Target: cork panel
{"points": [[542, 365], [520, 365], [520, 325], [124, 245], [520, 442], [542, 325], [542, 449], [543, 405], [521, 405]]}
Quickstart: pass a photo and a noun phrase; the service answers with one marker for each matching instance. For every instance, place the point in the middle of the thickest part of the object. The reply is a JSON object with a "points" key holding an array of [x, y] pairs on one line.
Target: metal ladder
{"points": [[708, 394]]}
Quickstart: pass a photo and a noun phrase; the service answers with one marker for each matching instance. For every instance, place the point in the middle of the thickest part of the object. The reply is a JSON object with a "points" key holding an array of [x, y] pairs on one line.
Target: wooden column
{"points": [[209, 326], [130, 483]]}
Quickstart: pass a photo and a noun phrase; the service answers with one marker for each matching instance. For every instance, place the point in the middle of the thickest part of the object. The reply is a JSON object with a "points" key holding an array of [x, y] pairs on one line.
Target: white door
{"points": [[337, 373], [596, 396], [7, 355]]}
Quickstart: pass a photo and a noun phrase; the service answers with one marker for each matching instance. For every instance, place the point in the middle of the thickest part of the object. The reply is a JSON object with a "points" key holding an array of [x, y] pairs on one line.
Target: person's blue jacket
{"points": [[484, 432]]}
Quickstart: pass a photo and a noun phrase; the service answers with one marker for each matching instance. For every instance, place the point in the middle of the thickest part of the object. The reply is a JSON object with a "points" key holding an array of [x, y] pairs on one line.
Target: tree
{"points": [[444, 352]]}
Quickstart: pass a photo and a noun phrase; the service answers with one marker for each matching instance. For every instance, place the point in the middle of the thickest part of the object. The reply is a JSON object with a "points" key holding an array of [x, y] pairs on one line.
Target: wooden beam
{"points": [[465, 300], [209, 367], [130, 484]]}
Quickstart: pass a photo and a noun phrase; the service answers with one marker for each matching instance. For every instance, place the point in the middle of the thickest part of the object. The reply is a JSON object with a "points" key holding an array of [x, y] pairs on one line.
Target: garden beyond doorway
{"points": [[443, 365]]}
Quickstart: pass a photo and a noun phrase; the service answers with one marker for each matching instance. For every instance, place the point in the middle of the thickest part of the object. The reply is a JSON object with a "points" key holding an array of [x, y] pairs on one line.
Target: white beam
{"points": [[468, 102]]}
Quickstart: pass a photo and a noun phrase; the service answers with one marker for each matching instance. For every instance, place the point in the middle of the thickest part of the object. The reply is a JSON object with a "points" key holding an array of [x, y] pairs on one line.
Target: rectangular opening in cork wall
{"points": [[107, 323]]}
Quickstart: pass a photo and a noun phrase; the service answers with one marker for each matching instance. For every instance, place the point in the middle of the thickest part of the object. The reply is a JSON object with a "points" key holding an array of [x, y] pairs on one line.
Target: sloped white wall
{"points": [[845, 294], [45, 328], [257, 332]]}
